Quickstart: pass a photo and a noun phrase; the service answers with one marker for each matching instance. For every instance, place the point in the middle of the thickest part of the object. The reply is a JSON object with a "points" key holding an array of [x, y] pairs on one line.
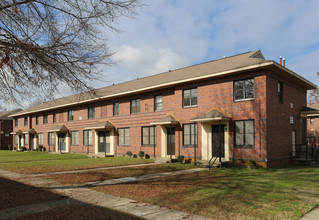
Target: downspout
{"points": [[154, 134], [220, 142], [194, 144]]}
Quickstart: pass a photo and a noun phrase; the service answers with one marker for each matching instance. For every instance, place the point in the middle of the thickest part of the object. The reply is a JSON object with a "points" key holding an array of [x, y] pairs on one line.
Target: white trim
{"points": [[210, 119]]}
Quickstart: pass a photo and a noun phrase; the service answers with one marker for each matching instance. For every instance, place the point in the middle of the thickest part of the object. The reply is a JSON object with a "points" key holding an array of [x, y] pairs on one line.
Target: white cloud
{"points": [[148, 60]]}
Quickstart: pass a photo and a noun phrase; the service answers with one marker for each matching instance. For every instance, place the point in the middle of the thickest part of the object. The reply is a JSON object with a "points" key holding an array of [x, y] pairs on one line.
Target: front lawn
{"points": [[41, 162], [102, 175], [282, 193]]}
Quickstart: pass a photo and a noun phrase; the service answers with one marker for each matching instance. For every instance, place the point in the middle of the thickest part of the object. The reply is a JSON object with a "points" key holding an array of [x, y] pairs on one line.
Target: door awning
{"points": [[32, 131], [212, 115], [101, 125], [167, 120], [309, 111], [59, 128], [18, 132]]}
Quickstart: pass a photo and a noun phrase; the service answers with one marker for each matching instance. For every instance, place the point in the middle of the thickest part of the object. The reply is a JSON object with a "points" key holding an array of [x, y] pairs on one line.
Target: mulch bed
{"points": [[13, 194]]}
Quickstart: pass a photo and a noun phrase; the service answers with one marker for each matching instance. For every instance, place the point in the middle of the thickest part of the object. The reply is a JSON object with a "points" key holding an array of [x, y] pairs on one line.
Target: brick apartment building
{"points": [[312, 114], [242, 107], [6, 129]]}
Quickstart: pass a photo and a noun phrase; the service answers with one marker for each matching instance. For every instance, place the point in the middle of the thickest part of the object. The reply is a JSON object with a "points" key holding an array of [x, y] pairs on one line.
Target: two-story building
{"points": [[6, 128], [242, 107]]}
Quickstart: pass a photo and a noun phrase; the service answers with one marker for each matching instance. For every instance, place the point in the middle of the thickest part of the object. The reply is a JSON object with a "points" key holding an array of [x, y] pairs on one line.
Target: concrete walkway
{"points": [[312, 215], [81, 194]]}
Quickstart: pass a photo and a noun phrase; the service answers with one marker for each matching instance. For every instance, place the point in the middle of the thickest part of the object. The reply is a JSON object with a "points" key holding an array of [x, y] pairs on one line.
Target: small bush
{"points": [[9, 147], [129, 153], [23, 148], [180, 158], [252, 164], [134, 156], [147, 156], [141, 154], [40, 147], [44, 149]]}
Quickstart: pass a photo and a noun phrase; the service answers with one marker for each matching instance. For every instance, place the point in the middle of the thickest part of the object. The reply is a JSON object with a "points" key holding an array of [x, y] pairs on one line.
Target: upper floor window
{"points": [[91, 112], [70, 115], [74, 138], [45, 119], [244, 133], [25, 121], [54, 117], [311, 121], [280, 92], [87, 137], [244, 89], [16, 122], [124, 136], [135, 106], [116, 108], [148, 135], [190, 97], [36, 120], [190, 134], [158, 103]]}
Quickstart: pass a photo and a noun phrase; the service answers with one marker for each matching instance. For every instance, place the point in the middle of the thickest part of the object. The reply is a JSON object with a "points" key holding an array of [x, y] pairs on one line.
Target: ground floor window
{"points": [[124, 136], [51, 138], [244, 133], [148, 135], [190, 134], [26, 139], [87, 137], [16, 139], [40, 141], [74, 138]]}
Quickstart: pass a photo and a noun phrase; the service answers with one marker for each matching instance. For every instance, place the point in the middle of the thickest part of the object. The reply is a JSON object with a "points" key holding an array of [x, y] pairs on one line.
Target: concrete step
{"points": [[99, 155]]}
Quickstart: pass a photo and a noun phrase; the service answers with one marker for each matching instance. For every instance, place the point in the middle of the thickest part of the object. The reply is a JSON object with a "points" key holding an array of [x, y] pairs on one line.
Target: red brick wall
{"points": [[5, 128]]}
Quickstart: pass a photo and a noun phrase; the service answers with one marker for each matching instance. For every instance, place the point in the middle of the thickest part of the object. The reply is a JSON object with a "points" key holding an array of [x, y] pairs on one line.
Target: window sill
{"points": [[123, 145], [243, 100], [189, 146], [245, 147], [191, 106], [149, 145]]}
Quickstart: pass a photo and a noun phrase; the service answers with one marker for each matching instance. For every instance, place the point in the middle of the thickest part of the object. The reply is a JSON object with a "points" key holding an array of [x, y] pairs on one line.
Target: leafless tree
{"points": [[45, 43]]}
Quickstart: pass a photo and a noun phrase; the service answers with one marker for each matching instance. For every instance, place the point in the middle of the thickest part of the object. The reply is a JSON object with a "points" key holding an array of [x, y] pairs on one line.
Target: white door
{"points": [[293, 135]]}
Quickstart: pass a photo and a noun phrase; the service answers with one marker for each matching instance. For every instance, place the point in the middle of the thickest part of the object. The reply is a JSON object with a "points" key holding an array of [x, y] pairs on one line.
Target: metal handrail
{"points": [[214, 155]]}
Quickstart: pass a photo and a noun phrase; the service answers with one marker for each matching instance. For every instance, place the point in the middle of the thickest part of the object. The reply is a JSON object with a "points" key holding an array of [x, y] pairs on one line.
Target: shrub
{"points": [[23, 148], [180, 158], [44, 149], [129, 153], [134, 156], [141, 154], [9, 147], [40, 147], [252, 164], [147, 156]]}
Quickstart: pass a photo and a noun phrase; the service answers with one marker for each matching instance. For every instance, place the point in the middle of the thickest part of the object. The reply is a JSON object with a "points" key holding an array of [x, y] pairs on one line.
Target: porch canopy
{"points": [[18, 132], [167, 120], [59, 128], [212, 115], [310, 111], [32, 131], [101, 125]]}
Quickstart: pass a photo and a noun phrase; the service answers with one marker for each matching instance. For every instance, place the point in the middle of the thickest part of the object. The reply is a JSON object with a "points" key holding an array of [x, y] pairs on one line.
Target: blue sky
{"points": [[169, 34]]}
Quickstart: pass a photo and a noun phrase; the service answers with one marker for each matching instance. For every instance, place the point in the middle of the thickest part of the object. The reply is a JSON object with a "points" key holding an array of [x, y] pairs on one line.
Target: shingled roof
{"points": [[5, 115], [216, 68]]}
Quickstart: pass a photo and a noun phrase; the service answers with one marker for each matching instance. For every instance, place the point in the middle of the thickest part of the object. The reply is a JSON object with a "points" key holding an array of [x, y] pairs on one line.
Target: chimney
{"points": [[284, 62], [280, 60]]}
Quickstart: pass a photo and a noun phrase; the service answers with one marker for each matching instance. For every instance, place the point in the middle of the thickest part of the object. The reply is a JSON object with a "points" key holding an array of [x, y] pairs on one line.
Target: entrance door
{"points": [[218, 140], [293, 146], [61, 142], [32, 141], [171, 141], [104, 142]]}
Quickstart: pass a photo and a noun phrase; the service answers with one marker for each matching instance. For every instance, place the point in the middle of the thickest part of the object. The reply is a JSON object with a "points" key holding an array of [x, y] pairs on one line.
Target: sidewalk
{"points": [[312, 215], [81, 194]]}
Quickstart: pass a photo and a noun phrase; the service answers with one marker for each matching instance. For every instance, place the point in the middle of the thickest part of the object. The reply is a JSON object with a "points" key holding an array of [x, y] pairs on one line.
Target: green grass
{"points": [[42, 162], [281, 193]]}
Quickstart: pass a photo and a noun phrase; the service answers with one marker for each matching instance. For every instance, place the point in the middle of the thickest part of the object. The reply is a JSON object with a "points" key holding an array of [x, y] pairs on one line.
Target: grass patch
{"points": [[102, 175], [40, 162], [282, 193]]}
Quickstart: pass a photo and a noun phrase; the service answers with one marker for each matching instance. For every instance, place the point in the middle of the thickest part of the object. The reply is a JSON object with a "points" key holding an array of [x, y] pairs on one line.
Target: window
{"points": [[16, 139], [40, 141], [158, 103], [190, 134], [244, 133], [36, 120], [311, 121], [190, 97], [74, 138], [124, 136], [116, 108], [45, 119], [135, 106], [54, 117], [16, 122], [25, 121], [87, 137], [51, 138], [70, 115], [26, 139], [148, 135], [281, 92], [244, 89], [91, 112]]}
